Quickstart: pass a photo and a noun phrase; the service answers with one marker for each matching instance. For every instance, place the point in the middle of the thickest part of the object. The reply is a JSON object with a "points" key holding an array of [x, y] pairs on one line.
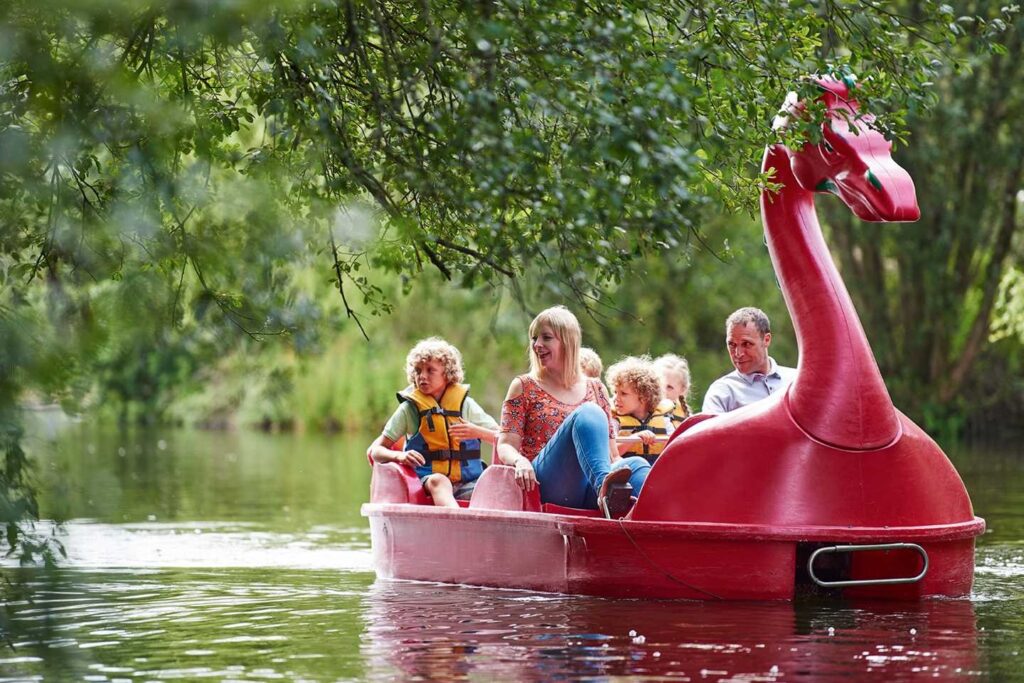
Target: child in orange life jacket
{"points": [[640, 409], [675, 384], [442, 425]]}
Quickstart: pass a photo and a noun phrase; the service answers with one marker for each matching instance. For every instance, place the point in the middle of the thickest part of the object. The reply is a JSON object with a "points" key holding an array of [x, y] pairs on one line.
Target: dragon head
{"points": [[853, 160]]}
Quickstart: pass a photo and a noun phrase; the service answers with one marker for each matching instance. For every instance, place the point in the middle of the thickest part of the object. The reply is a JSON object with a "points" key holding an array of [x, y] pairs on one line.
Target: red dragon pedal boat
{"points": [[824, 487]]}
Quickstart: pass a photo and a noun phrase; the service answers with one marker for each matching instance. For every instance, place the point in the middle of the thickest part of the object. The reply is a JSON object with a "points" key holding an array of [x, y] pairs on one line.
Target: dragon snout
{"points": [[882, 192], [906, 213], [903, 193]]}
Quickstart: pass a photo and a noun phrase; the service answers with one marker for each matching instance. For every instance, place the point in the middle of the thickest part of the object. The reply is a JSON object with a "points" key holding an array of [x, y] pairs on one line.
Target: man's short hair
{"points": [[749, 314]]}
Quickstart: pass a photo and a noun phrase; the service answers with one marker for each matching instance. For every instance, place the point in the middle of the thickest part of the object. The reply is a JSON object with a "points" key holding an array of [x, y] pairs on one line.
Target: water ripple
{"points": [[213, 545]]}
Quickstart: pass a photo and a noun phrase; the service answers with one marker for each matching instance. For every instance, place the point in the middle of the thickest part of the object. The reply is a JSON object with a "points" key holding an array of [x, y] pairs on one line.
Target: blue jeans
{"points": [[574, 463]]}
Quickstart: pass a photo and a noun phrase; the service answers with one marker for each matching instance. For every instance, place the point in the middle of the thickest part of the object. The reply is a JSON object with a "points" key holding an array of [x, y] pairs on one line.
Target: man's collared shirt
{"points": [[736, 390]]}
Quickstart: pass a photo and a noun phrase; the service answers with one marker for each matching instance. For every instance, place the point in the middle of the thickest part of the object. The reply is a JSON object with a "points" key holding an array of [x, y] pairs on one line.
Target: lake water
{"points": [[242, 556]]}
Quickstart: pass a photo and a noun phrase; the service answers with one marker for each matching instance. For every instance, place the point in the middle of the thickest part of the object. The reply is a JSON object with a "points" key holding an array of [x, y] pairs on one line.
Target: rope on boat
{"points": [[661, 569]]}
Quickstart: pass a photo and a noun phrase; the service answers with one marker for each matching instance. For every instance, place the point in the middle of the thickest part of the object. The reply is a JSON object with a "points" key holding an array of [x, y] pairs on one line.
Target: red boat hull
{"points": [[566, 551]]}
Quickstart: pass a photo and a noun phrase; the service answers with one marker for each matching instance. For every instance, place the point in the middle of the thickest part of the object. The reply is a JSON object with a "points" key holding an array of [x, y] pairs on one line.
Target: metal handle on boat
{"points": [[867, 582]]}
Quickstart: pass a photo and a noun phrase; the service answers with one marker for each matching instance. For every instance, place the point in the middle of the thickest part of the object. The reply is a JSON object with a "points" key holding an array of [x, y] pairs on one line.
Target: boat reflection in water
{"points": [[440, 632]]}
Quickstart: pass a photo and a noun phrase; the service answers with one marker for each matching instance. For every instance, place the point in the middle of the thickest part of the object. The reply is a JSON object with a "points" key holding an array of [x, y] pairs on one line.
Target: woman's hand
{"points": [[526, 478], [508, 454]]}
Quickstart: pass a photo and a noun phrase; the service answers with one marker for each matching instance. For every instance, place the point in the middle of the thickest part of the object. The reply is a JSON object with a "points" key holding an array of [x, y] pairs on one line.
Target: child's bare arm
{"points": [[623, 444], [467, 430], [381, 450]]}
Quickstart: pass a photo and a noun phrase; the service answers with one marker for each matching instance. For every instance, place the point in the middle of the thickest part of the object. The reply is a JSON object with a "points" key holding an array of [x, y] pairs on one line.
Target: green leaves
{"points": [[198, 152], [492, 137], [555, 124]]}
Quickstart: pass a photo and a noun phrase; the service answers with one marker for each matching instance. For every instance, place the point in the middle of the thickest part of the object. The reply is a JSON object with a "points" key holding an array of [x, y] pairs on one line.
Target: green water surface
{"points": [[242, 556]]}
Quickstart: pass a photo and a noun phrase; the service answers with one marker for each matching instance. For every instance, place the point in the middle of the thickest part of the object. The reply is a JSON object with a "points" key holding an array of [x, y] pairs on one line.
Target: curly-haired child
{"points": [[442, 425], [640, 409]]}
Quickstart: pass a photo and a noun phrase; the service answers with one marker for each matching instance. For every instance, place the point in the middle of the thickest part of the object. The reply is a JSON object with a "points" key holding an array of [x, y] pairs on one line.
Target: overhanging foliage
{"points": [[173, 158]]}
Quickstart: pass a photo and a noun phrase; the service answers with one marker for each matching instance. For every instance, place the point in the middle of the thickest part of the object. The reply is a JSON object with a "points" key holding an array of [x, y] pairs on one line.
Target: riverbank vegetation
{"points": [[231, 213], [331, 377]]}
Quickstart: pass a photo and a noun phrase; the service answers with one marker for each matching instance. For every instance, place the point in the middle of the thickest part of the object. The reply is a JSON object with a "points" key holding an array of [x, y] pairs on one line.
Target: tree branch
{"points": [[339, 278]]}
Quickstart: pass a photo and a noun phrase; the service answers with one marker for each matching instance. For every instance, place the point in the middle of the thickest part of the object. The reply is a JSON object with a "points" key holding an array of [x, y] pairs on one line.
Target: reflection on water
{"points": [[317, 625], [211, 544], [443, 633], [282, 481], [190, 624], [243, 556]]}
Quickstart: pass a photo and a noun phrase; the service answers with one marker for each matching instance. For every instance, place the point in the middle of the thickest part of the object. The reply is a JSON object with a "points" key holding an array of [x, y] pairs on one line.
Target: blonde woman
{"points": [[556, 426]]}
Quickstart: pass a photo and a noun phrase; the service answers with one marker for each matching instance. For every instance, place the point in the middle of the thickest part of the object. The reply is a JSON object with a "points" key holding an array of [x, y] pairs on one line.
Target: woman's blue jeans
{"points": [[574, 463]]}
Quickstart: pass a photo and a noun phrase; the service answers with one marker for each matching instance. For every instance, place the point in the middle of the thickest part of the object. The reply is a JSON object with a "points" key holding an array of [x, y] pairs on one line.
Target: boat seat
{"points": [[392, 483], [496, 489], [556, 509]]}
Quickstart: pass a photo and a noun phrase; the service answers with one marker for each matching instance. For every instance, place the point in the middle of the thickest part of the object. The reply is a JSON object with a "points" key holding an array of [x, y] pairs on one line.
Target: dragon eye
{"points": [[873, 179], [827, 185]]}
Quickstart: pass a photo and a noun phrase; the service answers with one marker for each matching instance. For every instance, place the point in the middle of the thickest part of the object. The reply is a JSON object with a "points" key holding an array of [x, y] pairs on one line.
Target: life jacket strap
{"points": [[429, 413], [446, 454], [440, 411], [643, 425]]}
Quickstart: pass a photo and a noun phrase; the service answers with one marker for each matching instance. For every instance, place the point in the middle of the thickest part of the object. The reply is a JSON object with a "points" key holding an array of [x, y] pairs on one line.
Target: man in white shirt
{"points": [[757, 375]]}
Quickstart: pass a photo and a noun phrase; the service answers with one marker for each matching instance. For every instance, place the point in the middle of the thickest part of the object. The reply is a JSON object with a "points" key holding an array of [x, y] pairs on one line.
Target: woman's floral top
{"points": [[535, 414]]}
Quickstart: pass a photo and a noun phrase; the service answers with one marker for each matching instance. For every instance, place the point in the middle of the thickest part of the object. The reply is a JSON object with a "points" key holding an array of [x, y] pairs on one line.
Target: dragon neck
{"points": [[838, 396]]}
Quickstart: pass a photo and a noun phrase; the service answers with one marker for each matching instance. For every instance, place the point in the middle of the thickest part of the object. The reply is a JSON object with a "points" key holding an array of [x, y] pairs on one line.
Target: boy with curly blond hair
{"points": [[442, 425], [642, 413]]}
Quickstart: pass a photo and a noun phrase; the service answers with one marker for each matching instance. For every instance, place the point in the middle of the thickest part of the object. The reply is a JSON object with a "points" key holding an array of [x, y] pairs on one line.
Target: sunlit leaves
{"points": [[194, 154], [211, 143], [1008, 319], [521, 129]]}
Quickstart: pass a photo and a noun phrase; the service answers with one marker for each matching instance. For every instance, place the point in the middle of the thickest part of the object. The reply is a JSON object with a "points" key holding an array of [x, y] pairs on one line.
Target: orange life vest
{"points": [[458, 460], [659, 422]]}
